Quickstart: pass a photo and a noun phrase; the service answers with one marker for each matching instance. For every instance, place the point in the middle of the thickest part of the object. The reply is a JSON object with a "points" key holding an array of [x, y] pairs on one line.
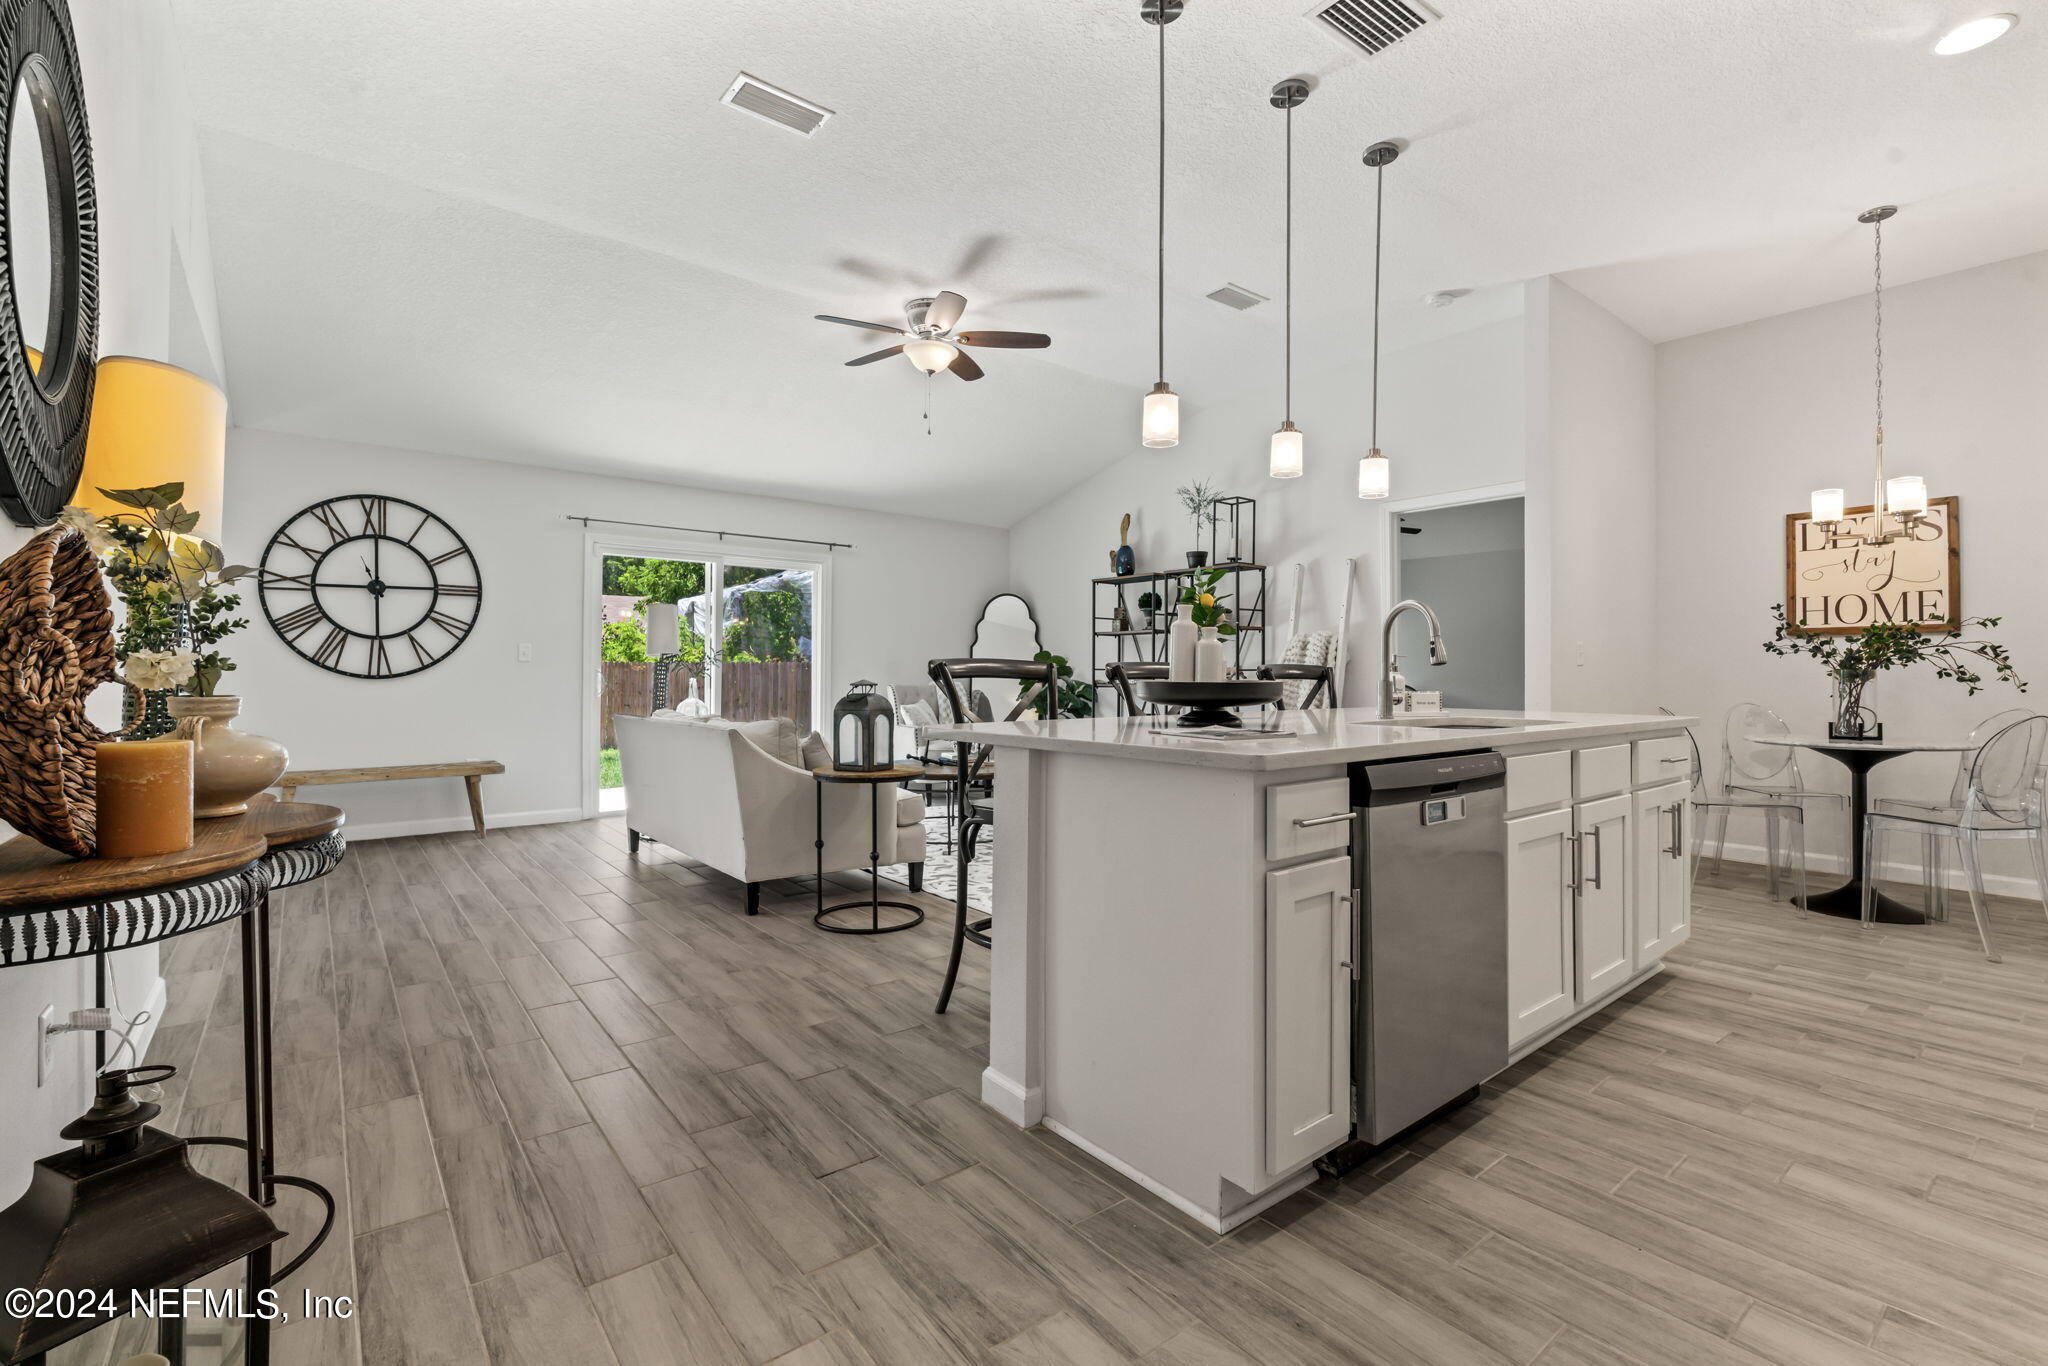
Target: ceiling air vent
{"points": [[1375, 25], [1237, 296], [754, 96]]}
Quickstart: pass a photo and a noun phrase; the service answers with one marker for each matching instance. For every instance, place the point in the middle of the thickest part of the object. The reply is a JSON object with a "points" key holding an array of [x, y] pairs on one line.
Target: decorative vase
{"points": [[1123, 562], [1852, 720], [1197, 558], [228, 766], [1209, 657], [1180, 649]]}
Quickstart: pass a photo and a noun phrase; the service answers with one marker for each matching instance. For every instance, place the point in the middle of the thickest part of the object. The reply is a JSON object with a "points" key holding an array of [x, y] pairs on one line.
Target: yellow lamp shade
{"points": [[153, 424]]}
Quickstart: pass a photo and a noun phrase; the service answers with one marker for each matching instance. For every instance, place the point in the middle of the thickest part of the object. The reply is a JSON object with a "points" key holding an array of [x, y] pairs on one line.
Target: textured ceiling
{"points": [[526, 228]]}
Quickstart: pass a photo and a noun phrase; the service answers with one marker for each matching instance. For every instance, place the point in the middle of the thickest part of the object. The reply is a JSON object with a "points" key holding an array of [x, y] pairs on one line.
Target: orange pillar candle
{"points": [[145, 797]]}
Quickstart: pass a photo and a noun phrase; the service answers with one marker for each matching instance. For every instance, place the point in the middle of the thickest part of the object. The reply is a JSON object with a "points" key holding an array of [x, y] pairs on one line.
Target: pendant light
{"points": [[1373, 480], [1899, 504], [1160, 422], [1283, 460]]}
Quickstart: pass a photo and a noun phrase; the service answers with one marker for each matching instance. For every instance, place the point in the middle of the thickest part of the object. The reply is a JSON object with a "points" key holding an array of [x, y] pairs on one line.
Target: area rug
{"points": [[941, 868]]}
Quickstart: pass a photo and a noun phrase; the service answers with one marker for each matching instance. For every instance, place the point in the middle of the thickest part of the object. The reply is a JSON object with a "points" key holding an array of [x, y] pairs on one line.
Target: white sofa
{"points": [[708, 790]]}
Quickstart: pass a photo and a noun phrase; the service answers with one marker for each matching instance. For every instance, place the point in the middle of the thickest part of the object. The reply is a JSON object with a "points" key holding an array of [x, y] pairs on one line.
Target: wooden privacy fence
{"points": [[752, 692]]}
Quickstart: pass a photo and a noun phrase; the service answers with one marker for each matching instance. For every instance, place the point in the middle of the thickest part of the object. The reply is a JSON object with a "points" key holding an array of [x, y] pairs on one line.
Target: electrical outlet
{"points": [[1582, 654], [46, 1044], [526, 652]]}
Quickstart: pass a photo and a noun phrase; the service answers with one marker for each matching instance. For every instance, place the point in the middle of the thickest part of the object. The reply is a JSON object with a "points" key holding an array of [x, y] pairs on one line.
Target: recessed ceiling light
{"points": [[1975, 34]]}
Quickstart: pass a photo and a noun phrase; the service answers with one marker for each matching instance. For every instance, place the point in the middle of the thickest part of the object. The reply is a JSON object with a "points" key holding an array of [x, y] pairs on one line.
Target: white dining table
{"points": [[1859, 757]]}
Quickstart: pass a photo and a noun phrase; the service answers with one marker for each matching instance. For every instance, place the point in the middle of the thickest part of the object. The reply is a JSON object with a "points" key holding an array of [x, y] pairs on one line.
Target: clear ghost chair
{"points": [[1767, 773], [1933, 888], [2002, 800], [1709, 803]]}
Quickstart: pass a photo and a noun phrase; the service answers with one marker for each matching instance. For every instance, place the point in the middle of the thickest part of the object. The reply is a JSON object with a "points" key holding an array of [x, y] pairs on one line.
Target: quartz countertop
{"points": [[1309, 738]]}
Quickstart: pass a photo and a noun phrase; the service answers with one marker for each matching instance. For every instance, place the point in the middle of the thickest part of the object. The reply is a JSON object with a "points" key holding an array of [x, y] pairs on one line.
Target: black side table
{"points": [[873, 905]]}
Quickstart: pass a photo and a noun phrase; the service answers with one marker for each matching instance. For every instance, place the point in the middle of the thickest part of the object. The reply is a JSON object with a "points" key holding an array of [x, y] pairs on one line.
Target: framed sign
{"points": [[1835, 584]]}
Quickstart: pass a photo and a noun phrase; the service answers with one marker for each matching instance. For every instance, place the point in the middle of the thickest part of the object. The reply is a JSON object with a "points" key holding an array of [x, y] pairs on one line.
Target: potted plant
{"points": [[1149, 603], [173, 587], [1205, 618], [1075, 697], [1199, 498], [1854, 659]]}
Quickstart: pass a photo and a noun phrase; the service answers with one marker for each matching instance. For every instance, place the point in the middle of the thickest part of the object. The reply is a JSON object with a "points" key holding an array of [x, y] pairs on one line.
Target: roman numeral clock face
{"points": [[370, 587]]}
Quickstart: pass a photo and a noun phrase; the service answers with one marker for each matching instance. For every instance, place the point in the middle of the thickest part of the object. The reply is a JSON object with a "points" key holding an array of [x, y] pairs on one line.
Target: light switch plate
{"points": [[46, 1043]]}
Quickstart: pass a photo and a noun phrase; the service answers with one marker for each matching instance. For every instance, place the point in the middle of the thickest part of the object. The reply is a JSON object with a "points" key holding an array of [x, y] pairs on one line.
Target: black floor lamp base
{"points": [[873, 910]]}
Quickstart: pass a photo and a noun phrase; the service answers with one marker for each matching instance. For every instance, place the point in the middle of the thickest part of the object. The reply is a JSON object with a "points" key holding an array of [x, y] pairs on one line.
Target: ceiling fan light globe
{"points": [[930, 356]]}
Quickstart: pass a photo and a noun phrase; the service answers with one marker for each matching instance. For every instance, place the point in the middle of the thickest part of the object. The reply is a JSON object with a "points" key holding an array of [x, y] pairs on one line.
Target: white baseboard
{"points": [[1023, 1106], [1893, 870], [448, 825], [1215, 1223]]}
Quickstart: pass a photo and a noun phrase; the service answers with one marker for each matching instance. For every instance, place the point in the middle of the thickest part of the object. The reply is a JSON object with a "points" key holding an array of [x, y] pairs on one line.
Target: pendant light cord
{"points": [[1288, 272], [1162, 199], [1379, 195]]}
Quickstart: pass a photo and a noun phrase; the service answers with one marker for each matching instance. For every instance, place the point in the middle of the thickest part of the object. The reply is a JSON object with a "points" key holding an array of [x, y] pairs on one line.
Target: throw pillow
{"points": [[777, 737], [816, 753]]}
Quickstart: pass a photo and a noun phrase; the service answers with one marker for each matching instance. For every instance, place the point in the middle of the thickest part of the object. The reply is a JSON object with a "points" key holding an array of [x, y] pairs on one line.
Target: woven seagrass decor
{"points": [[56, 646]]}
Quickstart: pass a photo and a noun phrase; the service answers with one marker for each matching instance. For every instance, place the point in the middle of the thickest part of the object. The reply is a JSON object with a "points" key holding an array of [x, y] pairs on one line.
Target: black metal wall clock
{"points": [[46, 198], [370, 587]]}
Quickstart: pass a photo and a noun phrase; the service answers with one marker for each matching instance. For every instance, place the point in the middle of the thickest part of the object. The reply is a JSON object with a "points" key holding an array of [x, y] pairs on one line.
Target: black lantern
{"points": [[859, 743], [1233, 531], [124, 1211]]}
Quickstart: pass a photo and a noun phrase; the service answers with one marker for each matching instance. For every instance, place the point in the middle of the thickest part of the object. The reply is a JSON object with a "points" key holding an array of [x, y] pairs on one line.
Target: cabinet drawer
{"points": [[1308, 818], [1539, 781], [1600, 772], [1663, 760]]}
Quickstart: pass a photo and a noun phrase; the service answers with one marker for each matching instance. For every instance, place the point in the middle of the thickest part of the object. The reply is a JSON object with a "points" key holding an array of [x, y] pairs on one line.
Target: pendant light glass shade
{"points": [[1827, 505], [1373, 481], [1905, 494], [1284, 459], [1161, 423], [930, 356]]}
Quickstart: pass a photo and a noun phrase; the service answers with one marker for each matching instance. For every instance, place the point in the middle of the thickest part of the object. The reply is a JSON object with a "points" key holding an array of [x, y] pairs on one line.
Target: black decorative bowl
{"points": [[1205, 703]]}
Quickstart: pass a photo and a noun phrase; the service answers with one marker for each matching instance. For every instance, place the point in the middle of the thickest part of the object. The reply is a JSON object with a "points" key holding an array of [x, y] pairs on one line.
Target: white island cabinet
{"points": [[1177, 936]]}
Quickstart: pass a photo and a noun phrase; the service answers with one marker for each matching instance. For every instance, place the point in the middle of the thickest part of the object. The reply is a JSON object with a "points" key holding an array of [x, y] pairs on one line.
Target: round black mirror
{"points": [[49, 305]]}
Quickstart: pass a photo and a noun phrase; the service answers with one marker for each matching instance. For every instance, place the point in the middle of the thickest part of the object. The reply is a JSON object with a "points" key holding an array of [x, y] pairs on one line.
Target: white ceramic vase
{"points": [[1209, 666], [1180, 648], [229, 766]]}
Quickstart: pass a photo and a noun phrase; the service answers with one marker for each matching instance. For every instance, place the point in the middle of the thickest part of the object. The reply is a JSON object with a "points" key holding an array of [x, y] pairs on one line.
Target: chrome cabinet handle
{"points": [[1675, 849], [1599, 859], [1310, 822], [1572, 881], [1680, 759]]}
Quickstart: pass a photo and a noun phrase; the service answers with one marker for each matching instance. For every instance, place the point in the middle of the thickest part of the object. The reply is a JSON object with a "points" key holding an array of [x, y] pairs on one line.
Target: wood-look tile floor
{"points": [[579, 1109]]}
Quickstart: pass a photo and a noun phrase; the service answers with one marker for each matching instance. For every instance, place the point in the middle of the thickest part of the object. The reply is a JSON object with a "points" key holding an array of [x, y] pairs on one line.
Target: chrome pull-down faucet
{"points": [[1436, 648]]}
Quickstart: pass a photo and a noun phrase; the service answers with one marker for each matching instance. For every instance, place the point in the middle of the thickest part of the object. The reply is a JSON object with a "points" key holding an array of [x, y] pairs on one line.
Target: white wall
{"points": [[910, 590], [152, 251], [1450, 418], [1591, 506], [1751, 418]]}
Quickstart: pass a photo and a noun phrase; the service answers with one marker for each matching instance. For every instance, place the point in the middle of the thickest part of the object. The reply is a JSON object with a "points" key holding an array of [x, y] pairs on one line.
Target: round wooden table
{"points": [[1859, 757], [54, 907], [875, 781]]}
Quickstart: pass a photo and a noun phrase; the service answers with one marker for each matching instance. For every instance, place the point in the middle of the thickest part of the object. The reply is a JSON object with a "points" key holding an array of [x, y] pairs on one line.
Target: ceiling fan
{"points": [[933, 345]]}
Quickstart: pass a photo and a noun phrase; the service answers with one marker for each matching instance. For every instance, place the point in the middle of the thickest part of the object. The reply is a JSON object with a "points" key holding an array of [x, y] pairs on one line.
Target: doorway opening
{"points": [[1466, 562], [703, 635]]}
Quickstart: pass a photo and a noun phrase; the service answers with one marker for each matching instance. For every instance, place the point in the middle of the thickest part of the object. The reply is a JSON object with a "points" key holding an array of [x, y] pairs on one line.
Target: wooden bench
{"points": [[472, 775]]}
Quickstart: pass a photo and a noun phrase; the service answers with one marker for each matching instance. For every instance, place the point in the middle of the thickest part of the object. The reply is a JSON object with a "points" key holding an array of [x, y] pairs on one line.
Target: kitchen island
{"points": [[1176, 928]]}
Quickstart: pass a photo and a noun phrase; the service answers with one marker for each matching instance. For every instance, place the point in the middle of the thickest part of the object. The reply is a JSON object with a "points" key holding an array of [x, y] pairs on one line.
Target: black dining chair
{"points": [[1122, 674], [1321, 680], [974, 813]]}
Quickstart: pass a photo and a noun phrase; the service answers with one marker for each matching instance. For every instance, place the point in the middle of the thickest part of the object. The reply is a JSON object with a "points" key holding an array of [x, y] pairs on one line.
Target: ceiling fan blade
{"points": [[946, 308], [856, 322], [874, 356], [1024, 340], [963, 365]]}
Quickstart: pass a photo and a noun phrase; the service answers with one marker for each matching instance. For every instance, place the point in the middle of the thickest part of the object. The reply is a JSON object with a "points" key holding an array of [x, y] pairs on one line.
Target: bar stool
{"points": [[1321, 680], [978, 813], [1122, 674], [1933, 890]]}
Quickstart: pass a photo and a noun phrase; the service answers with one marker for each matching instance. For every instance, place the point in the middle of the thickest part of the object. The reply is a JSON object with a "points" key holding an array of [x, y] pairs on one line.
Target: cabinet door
{"points": [[1663, 872], [1309, 931], [1540, 964], [1605, 930]]}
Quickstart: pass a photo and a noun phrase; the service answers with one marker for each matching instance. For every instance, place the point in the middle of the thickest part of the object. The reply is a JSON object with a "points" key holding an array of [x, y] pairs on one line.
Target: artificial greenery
{"points": [[1853, 660], [171, 583], [1199, 498], [1148, 601], [1207, 607], [1076, 698]]}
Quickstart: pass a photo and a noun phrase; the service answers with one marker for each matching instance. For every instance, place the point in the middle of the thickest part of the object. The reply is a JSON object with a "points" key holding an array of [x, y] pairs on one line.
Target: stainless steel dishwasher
{"points": [[1431, 995]]}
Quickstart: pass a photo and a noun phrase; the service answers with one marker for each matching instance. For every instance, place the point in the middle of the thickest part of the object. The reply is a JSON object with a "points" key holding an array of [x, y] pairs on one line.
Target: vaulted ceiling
{"points": [[528, 230]]}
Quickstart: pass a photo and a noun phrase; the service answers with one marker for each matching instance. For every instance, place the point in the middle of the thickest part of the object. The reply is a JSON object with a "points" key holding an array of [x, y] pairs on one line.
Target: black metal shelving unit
{"points": [[1243, 581]]}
